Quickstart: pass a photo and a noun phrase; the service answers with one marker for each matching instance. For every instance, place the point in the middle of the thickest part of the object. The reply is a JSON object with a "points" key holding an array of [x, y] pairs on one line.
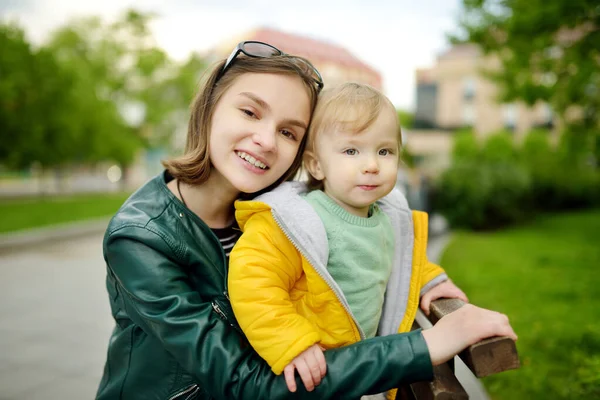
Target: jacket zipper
{"points": [[224, 317], [330, 282], [190, 391], [218, 310]]}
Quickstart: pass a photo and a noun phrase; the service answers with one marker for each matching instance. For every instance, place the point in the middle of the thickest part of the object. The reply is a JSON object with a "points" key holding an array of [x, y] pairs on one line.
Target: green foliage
{"points": [[407, 119], [34, 102], [484, 188], [499, 148], [548, 51], [465, 146], [540, 160], [544, 277], [562, 177], [483, 195], [407, 158], [497, 183], [96, 91], [115, 64]]}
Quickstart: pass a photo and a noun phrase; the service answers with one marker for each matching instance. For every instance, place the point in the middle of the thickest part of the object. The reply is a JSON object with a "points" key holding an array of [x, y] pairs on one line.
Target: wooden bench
{"points": [[488, 357]]}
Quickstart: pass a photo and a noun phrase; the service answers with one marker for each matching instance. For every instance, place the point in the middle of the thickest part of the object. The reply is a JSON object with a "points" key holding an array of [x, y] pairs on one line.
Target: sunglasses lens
{"points": [[311, 70], [260, 49], [263, 50]]}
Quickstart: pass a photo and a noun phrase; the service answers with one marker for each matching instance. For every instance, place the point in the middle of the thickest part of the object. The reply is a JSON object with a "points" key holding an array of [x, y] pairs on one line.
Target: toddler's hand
{"points": [[311, 367], [445, 289]]}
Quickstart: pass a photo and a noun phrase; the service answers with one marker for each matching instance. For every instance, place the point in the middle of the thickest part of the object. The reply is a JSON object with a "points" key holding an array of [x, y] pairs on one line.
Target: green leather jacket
{"points": [[175, 335]]}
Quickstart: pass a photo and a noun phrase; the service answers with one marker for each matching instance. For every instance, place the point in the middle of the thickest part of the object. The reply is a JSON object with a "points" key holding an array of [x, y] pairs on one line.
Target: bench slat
{"points": [[444, 386], [486, 357]]}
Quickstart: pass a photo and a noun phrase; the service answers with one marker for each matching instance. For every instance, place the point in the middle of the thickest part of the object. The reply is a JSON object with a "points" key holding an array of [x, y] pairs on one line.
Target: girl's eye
{"points": [[288, 134], [350, 152], [384, 152], [249, 113]]}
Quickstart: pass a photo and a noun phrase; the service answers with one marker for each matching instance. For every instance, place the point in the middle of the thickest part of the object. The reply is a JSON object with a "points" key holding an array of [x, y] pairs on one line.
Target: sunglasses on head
{"points": [[264, 50]]}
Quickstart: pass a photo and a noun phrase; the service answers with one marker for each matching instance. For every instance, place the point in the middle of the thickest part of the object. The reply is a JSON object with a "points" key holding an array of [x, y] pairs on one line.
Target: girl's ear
{"points": [[313, 166]]}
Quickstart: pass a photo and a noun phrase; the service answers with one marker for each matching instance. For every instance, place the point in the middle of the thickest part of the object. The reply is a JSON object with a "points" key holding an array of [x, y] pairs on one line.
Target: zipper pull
{"points": [[226, 295], [218, 310]]}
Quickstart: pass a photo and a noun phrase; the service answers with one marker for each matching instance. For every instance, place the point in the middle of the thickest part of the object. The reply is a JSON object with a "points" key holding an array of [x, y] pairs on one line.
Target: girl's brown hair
{"points": [[194, 166]]}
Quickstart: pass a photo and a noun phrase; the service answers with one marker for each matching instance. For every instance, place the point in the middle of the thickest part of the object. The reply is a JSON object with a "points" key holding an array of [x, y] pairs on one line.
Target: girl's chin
{"points": [[245, 187]]}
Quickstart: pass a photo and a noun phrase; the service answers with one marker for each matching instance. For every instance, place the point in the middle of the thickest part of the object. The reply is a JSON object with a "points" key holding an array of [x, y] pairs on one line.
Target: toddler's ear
{"points": [[312, 165]]}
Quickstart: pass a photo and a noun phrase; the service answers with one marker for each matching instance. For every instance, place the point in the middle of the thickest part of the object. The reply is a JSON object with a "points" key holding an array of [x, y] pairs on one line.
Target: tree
{"points": [[35, 120], [406, 118], [96, 91], [98, 59], [140, 92], [548, 51]]}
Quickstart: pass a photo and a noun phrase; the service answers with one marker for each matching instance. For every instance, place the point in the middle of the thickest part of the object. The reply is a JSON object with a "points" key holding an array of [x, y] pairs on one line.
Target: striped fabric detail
{"points": [[228, 237]]}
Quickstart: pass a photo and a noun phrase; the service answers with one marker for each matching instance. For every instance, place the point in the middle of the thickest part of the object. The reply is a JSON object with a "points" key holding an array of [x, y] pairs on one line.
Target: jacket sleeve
{"points": [[157, 297], [263, 268], [432, 275]]}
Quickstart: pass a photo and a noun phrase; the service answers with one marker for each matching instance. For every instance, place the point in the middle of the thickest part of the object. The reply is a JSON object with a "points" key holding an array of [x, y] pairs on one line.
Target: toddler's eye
{"points": [[350, 152], [384, 152]]}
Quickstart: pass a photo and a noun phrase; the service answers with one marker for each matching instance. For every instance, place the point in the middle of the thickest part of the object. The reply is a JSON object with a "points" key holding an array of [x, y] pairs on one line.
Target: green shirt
{"points": [[361, 253]]}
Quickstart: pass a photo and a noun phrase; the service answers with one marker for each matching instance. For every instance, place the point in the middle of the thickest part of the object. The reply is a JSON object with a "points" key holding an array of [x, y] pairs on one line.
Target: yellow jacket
{"points": [[280, 290]]}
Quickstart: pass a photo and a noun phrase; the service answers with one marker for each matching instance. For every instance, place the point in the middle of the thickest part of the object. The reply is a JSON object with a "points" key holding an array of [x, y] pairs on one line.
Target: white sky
{"points": [[393, 36]]}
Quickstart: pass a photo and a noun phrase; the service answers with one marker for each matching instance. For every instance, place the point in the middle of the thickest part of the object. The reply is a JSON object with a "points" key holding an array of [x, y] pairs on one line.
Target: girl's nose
{"points": [[266, 139]]}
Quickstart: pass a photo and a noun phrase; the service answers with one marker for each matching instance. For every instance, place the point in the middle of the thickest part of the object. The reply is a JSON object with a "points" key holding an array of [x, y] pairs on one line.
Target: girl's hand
{"points": [[462, 328], [445, 289], [311, 367]]}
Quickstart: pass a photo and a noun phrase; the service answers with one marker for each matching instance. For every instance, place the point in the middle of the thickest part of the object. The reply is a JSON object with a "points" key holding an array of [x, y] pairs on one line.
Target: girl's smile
{"points": [[256, 130]]}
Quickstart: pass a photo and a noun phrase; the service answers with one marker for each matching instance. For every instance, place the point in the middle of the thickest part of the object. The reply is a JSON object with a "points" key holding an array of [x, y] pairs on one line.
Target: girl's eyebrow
{"points": [[296, 122], [257, 100], [263, 104]]}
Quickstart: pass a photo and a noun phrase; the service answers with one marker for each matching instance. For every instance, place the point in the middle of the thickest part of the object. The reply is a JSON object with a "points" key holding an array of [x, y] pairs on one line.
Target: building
{"points": [[426, 100], [336, 64], [455, 93]]}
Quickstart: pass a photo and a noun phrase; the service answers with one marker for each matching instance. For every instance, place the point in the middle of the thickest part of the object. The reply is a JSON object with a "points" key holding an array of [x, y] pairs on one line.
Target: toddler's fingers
{"points": [[425, 304], [321, 360], [313, 365], [290, 380], [305, 375]]}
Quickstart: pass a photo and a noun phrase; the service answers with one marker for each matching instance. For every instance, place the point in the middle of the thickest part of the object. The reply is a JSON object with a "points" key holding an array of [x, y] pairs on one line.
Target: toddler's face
{"points": [[358, 169]]}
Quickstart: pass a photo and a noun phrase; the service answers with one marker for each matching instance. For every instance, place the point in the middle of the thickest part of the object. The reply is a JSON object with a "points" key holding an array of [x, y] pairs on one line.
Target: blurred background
{"points": [[499, 102]]}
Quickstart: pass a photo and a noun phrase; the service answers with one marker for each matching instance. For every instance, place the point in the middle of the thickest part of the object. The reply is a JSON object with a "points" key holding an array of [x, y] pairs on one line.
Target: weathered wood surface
{"points": [[444, 386], [486, 357]]}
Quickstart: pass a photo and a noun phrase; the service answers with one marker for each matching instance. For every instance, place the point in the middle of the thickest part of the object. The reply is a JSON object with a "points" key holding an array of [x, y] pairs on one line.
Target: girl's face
{"points": [[256, 130]]}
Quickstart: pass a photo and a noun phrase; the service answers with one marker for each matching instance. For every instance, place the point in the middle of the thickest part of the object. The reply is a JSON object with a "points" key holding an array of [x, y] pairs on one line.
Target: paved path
{"points": [[54, 320]]}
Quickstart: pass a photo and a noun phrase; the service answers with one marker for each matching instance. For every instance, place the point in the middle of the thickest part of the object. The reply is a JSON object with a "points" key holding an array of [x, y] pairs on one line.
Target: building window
{"points": [[510, 116], [468, 115], [425, 113], [469, 88]]}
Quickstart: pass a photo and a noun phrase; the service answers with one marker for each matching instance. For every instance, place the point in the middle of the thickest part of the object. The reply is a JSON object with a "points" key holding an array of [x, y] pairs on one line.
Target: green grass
{"points": [[546, 277], [26, 213]]}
